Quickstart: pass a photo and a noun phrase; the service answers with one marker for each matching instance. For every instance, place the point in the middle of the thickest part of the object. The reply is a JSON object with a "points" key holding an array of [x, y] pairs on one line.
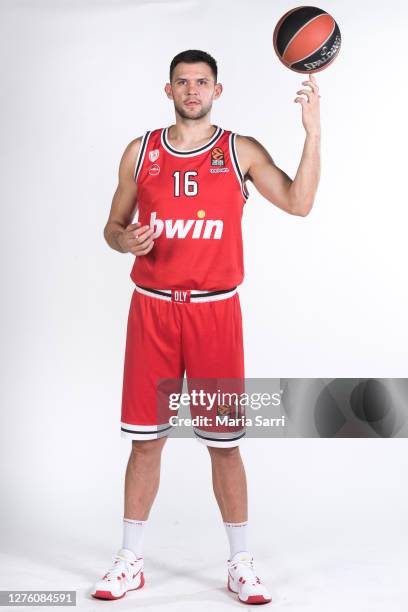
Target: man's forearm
{"points": [[111, 232], [304, 186]]}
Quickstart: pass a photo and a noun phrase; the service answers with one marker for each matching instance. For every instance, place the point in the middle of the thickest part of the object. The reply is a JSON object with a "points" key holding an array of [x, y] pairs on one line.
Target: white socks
{"points": [[237, 535], [133, 532]]}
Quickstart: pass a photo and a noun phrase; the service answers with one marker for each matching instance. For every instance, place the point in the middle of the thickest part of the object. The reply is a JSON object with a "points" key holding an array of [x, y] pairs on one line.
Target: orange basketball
{"points": [[306, 39]]}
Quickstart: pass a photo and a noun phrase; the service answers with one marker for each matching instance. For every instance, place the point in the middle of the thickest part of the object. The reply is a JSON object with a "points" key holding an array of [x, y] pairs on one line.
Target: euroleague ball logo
{"points": [[154, 170], [217, 157]]}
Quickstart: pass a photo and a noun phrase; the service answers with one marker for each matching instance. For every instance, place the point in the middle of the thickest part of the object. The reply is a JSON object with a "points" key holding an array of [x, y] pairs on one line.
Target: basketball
{"points": [[306, 39]]}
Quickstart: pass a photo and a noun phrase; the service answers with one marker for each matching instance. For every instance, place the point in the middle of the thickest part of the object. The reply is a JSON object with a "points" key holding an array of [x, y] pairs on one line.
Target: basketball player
{"points": [[188, 182]]}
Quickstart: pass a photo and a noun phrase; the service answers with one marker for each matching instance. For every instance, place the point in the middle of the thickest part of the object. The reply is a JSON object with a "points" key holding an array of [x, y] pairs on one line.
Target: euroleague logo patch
{"points": [[217, 157], [154, 170]]}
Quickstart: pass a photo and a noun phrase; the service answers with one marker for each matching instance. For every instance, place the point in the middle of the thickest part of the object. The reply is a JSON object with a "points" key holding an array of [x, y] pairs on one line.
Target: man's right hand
{"points": [[136, 239]]}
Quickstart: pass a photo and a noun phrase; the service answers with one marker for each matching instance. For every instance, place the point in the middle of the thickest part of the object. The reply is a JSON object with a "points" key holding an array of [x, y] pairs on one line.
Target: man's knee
{"points": [[223, 453], [148, 448]]}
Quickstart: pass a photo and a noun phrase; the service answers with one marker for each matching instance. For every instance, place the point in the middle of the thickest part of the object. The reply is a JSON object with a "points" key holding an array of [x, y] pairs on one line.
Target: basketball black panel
{"points": [[293, 23]]}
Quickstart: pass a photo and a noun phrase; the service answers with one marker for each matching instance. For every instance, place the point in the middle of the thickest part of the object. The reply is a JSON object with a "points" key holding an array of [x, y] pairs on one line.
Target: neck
{"points": [[189, 132]]}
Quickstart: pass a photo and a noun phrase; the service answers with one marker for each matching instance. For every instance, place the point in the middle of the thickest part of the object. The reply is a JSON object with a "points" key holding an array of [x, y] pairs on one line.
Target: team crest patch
{"points": [[217, 157], [223, 410], [153, 155], [154, 170]]}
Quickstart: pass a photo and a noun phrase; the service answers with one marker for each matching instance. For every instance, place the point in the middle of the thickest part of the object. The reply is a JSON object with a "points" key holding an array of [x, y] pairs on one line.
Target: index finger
{"points": [[140, 231], [311, 82]]}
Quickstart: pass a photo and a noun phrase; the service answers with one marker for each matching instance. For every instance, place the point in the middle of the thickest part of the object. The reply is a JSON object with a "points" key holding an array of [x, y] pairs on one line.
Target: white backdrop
{"points": [[324, 296]]}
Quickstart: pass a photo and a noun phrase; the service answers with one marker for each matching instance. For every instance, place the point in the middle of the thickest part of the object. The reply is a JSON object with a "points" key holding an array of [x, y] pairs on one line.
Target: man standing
{"points": [[188, 183]]}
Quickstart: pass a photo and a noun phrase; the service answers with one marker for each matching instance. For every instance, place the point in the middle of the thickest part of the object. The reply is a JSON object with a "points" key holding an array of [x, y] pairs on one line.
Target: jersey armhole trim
{"points": [[141, 155], [237, 167]]}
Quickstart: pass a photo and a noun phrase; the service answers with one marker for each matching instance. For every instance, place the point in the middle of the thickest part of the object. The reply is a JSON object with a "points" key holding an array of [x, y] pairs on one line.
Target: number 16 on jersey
{"points": [[189, 185]]}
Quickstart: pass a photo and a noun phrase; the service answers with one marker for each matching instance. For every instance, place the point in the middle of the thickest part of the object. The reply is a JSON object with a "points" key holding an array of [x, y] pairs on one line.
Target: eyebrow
{"points": [[204, 78]]}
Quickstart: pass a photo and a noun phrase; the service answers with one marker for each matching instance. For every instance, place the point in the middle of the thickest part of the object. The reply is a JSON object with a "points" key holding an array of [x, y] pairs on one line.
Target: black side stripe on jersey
{"points": [[237, 167], [218, 132], [140, 157]]}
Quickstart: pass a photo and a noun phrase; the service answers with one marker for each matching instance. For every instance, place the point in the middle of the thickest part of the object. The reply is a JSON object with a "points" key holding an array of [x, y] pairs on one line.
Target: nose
{"points": [[191, 87]]}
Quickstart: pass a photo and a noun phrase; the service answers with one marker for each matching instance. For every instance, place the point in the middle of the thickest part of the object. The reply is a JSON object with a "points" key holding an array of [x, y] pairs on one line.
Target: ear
{"points": [[217, 90], [168, 90]]}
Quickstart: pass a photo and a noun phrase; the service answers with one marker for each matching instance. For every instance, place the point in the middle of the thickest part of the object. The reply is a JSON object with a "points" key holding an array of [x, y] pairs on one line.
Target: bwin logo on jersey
{"points": [[181, 228]]}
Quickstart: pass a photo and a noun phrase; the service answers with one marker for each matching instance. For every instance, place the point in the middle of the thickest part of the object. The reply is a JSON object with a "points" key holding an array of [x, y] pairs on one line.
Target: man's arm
{"points": [[293, 196], [119, 233]]}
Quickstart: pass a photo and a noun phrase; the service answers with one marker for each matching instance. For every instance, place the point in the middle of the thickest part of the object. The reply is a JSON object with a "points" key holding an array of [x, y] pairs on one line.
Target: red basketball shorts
{"points": [[172, 334]]}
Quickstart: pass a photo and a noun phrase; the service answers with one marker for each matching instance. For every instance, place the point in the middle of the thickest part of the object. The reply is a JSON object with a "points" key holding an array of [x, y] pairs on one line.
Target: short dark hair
{"points": [[192, 56]]}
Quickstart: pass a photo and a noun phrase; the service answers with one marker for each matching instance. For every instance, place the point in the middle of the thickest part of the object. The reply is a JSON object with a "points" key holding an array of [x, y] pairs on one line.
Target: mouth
{"points": [[192, 103]]}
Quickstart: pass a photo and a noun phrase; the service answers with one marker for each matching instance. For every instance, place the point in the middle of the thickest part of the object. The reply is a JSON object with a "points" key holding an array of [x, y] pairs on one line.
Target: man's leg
{"points": [[142, 477], [141, 485], [230, 489], [213, 353], [229, 483], [153, 352]]}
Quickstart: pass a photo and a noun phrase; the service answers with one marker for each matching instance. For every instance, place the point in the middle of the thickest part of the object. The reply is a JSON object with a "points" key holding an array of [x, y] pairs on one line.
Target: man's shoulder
{"points": [[135, 144], [247, 144], [246, 141], [129, 157], [251, 151]]}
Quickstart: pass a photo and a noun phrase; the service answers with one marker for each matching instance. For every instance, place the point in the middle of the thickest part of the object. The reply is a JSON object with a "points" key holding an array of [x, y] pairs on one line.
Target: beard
{"points": [[199, 113]]}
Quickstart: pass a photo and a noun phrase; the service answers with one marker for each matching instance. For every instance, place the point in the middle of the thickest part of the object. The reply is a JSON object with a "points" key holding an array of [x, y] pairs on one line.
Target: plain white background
{"points": [[324, 296]]}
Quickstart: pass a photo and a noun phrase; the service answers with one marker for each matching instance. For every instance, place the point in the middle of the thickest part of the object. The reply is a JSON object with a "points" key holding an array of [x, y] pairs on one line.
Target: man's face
{"points": [[193, 90]]}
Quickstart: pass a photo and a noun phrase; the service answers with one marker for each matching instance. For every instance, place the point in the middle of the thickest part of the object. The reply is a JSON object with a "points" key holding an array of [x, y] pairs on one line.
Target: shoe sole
{"points": [[252, 599], [108, 594]]}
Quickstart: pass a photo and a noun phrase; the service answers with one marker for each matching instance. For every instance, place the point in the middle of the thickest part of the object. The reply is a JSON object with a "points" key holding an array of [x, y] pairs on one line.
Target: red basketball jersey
{"points": [[194, 202]]}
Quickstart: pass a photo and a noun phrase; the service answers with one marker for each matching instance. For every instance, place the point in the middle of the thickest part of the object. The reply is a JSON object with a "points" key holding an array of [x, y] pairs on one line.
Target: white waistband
{"points": [[196, 295]]}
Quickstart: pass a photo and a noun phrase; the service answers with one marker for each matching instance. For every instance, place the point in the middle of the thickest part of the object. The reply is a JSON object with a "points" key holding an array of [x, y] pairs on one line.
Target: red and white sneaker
{"points": [[243, 580], [125, 575]]}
